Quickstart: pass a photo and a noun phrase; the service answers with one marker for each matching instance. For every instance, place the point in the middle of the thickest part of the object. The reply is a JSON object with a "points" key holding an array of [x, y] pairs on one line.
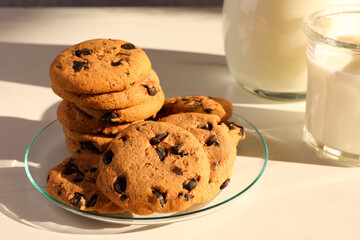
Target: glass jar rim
{"points": [[337, 9]]}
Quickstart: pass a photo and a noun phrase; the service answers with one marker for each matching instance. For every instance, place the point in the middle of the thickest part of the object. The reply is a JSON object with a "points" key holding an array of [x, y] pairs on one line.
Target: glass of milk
{"points": [[332, 119], [265, 45]]}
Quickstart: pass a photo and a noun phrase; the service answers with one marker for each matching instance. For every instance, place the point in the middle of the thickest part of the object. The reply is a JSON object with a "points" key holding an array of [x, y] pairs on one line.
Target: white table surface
{"points": [[299, 196]]}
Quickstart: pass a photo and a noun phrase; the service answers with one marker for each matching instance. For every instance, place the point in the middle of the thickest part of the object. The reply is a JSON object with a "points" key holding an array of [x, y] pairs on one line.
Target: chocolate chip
{"points": [[158, 138], [87, 145], [78, 200], [120, 185], [207, 126], [176, 150], [114, 134], [70, 168], [122, 54], [107, 157], [231, 126], [225, 184], [211, 140], [150, 119], [78, 179], [93, 169], [208, 110], [139, 127], [123, 197], [80, 173], [92, 201], [128, 46], [47, 178], [187, 197], [161, 196], [241, 132], [177, 171], [114, 64], [110, 116], [151, 90], [190, 184], [84, 51], [217, 144], [78, 65], [124, 138], [215, 164], [161, 152]]}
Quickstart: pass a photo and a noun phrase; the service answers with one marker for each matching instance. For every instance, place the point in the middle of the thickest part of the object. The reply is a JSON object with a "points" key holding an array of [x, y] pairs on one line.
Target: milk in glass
{"points": [[332, 118]]}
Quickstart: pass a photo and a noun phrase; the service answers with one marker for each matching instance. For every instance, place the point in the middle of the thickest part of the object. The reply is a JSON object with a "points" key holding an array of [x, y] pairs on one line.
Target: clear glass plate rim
{"points": [[27, 170]]}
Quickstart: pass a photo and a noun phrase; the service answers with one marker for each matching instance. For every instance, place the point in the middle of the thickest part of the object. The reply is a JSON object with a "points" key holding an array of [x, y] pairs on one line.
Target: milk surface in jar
{"points": [[265, 45], [332, 119]]}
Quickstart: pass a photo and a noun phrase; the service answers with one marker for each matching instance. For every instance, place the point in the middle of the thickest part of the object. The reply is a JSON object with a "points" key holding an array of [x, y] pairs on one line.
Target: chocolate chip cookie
{"points": [[201, 104], [99, 66], [73, 182], [154, 167], [217, 142], [130, 114], [73, 118], [138, 93], [79, 143]]}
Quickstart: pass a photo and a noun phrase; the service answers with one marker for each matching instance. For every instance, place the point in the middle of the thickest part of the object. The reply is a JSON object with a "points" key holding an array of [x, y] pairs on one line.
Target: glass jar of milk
{"points": [[332, 119], [265, 45]]}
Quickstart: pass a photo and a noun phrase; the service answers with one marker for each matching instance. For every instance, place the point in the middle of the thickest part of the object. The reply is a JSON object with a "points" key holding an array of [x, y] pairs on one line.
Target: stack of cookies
{"points": [[106, 85], [122, 161]]}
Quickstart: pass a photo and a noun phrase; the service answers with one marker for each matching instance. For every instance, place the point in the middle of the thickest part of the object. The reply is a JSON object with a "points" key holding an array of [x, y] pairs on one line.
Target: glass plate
{"points": [[47, 149]]}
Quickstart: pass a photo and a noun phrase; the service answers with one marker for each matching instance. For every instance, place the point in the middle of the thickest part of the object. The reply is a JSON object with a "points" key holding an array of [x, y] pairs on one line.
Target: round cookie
{"points": [[73, 182], [201, 104], [219, 146], [99, 66], [138, 93], [130, 114], [154, 167], [86, 142], [73, 118]]}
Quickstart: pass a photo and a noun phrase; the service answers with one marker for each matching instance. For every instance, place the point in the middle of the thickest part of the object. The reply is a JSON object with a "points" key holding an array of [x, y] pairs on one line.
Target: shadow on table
{"points": [[180, 73]]}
